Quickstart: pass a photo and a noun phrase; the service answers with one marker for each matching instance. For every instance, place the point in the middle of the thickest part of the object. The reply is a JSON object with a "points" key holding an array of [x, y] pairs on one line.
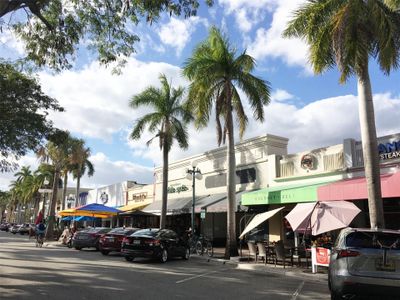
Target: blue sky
{"points": [[312, 111]]}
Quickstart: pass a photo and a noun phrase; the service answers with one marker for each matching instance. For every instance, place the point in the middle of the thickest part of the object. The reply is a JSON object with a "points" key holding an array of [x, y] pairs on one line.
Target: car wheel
{"points": [[187, 254], [335, 296], [104, 252], [164, 256], [129, 258], [13, 232], [78, 248]]}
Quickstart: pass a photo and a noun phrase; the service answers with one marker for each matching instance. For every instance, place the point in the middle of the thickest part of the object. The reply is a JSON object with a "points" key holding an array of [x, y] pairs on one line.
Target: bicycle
{"points": [[201, 244], [39, 240]]}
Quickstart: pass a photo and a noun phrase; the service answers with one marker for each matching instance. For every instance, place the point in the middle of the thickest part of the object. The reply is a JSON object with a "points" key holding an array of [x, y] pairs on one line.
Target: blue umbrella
{"points": [[97, 208], [69, 218], [85, 218]]}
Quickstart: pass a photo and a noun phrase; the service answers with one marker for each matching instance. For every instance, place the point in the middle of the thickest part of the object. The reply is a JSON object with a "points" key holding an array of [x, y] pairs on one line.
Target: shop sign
{"points": [[307, 161], [104, 197], [203, 214], [139, 196], [320, 257], [389, 150], [178, 189]]}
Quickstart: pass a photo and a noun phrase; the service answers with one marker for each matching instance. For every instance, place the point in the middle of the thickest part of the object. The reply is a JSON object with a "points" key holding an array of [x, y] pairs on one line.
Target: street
{"points": [[56, 272]]}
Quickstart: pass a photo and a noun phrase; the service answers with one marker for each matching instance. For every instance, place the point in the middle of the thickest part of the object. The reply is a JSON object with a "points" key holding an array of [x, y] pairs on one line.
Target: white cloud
{"points": [[270, 43], [108, 172], [96, 102], [177, 33], [325, 122], [281, 95], [247, 13], [10, 43]]}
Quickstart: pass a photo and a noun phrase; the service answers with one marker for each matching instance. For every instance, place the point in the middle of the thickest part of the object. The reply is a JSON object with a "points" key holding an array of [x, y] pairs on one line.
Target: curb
{"points": [[261, 269]]}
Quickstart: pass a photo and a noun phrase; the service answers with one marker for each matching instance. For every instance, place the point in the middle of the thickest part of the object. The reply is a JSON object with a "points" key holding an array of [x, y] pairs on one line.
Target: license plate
{"points": [[136, 242], [110, 239], [390, 265]]}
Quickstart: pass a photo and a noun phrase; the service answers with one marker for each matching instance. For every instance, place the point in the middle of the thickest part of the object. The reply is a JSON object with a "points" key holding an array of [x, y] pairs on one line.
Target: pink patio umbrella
{"points": [[322, 217]]}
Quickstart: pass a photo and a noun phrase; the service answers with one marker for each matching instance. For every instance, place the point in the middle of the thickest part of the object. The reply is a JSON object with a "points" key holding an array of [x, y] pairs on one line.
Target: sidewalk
{"points": [[242, 263]]}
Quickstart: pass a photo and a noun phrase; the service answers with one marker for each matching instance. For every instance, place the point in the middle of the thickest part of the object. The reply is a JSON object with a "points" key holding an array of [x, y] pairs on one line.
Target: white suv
{"points": [[365, 263]]}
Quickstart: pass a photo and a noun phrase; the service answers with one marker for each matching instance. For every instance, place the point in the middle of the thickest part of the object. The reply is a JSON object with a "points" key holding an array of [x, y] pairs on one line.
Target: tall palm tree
{"points": [[347, 34], [69, 166], [57, 154], [80, 164], [168, 122], [216, 72]]}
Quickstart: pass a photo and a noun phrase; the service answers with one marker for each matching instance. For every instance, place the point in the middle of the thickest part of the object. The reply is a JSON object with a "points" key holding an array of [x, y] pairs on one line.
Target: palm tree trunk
{"points": [[163, 216], [231, 243], [370, 150], [64, 194], [36, 205], [78, 187], [52, 211]]}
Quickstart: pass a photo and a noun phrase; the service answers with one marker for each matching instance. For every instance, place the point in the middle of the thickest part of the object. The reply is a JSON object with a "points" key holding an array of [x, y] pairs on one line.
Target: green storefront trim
{"points": [[283, 194]]}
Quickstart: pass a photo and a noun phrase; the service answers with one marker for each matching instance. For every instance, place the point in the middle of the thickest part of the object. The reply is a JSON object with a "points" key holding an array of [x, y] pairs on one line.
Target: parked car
{"points": [[112, 240], [88, 238], [365, 262], [24, 229], [154, 243], [5, 226], [14, 229]]}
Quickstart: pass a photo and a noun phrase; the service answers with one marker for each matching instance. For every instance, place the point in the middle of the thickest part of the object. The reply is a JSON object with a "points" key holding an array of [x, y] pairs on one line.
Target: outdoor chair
{"points": [[301, 254], [262, 252], [252, 250], [282, 255]]}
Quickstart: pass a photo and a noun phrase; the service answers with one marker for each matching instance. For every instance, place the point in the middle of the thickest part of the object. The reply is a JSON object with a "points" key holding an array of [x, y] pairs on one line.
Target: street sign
{"points": [[203, 214], [45, 191]]}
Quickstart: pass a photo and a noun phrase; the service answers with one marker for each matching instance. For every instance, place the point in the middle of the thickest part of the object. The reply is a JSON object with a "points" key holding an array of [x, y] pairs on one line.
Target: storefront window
{"points": [[242, 177]]}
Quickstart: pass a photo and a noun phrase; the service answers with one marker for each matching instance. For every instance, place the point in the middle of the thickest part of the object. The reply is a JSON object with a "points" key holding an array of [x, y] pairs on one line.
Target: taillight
{"points": [[125, 240], [103, 237], [152, 242], [347, 253]]}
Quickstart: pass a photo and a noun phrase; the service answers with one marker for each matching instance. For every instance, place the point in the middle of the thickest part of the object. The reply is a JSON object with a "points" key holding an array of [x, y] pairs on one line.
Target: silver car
{"points": [[365, 263]]}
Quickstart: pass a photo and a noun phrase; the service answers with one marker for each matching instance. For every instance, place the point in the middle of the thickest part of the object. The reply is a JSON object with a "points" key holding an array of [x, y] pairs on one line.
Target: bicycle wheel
{"points": [[209, 249], [199, 248]]}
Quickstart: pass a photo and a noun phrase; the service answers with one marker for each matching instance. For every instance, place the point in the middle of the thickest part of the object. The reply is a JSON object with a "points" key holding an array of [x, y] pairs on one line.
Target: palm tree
{"points": [[68, 168], [57, 154], [168, 122], [5, 200], [215, 72], [346, 34], [80, 163]]}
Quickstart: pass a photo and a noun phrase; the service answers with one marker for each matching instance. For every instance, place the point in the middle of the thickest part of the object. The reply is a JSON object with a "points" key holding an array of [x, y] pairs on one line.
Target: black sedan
{"points": [[88, 238], [154, 243], [112, 240]]}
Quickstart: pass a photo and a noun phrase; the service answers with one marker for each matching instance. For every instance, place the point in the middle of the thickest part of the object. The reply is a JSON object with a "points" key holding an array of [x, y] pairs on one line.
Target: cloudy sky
{"points": [[312, 111]]}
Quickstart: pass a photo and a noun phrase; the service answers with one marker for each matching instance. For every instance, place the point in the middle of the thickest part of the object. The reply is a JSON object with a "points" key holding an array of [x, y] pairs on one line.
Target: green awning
{"points": [[283, 194]]}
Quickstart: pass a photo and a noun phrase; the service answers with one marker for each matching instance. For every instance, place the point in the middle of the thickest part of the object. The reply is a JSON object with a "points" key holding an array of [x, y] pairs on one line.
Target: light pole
{"points": [[193, 174]]}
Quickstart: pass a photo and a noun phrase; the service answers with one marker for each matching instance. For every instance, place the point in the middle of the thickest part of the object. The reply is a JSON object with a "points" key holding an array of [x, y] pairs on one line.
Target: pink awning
{"points": [[356, 188]]}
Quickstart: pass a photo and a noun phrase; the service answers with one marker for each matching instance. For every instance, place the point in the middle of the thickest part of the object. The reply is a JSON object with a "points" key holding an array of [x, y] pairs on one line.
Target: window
{"points": [[242, 177]]}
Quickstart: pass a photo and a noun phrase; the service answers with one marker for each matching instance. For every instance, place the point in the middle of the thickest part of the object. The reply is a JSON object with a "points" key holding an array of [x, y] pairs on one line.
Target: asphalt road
{"points": [[56, 272]]}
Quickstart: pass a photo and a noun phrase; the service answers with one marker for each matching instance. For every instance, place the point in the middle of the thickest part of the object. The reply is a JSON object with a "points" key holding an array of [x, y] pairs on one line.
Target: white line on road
{"points": [[297, 292], [197, 276]]}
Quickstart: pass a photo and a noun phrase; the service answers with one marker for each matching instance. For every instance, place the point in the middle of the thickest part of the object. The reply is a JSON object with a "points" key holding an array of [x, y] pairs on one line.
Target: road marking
{"points": [[197, 276], [297, 292]]}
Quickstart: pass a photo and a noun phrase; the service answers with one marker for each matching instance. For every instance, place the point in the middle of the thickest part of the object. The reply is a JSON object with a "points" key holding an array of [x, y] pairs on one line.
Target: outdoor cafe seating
{"points": [[278, 253]]}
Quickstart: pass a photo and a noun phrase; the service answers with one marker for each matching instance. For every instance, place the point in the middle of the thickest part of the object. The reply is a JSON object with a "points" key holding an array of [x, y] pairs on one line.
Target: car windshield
{"points": [[148, 232], [97, 230], [373, 240], [120, 231]]}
